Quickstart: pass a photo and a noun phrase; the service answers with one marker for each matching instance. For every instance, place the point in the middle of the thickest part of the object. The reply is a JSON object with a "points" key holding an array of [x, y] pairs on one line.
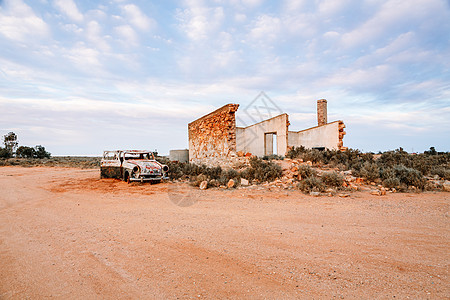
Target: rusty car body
{"points": [[132, 165]]}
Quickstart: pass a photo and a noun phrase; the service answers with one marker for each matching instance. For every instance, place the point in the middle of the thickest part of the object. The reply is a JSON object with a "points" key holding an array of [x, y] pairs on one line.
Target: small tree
{"points": [[11, 143], [40, 152], [25, 152], [4, 153]]}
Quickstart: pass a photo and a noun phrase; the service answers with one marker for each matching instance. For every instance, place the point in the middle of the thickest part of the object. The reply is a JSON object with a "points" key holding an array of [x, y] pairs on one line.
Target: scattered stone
{"points": [[359, 180], [343, 195], [230, 184], [244, 182], [383, 191], [309, 163], [375, 193], [354, 187], [204, 185], [446, 186], [315, 194]]}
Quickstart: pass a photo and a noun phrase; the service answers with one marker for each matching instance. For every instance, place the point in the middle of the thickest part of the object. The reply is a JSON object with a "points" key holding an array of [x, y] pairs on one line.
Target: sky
{"points": [[80, 77]]}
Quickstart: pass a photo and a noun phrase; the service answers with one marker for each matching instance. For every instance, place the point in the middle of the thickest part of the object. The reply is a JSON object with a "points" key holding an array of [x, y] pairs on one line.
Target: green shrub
{"points": [[306, 171], [442, 172], [311, 184], [229, 174], [272, 157], [391, 182], [369, 171], [409, 176], [262, 170], [333, 179]]}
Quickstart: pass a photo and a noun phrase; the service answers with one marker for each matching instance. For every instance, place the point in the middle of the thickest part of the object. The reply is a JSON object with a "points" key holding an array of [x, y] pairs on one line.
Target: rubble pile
{"points": [[292, 177]]}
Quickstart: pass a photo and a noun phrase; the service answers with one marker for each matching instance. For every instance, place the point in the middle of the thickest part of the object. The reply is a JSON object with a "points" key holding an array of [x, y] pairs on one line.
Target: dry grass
{"points": [[82, 162]]}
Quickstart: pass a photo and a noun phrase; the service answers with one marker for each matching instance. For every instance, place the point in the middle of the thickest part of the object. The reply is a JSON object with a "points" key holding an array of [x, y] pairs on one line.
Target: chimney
{"points": [[322, 112]]}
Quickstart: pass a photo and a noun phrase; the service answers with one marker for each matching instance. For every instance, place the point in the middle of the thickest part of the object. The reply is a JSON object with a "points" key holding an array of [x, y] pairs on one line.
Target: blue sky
{"points": [[80, 77]]}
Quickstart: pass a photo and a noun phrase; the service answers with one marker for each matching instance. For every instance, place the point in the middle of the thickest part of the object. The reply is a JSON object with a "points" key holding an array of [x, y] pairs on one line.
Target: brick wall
{"points": [[213, 137]]}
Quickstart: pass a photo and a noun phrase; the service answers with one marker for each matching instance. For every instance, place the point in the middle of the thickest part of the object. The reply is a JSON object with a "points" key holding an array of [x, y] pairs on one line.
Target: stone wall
{"points": [[322, 114], [213, 137]]}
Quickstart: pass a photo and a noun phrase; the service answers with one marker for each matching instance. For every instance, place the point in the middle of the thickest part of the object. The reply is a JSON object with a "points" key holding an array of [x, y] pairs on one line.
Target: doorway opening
{"points": [[270, 143]]}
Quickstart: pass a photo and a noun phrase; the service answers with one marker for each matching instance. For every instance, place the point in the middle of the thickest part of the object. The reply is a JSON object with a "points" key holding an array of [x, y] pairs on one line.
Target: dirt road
{"points": [[64, 233]]}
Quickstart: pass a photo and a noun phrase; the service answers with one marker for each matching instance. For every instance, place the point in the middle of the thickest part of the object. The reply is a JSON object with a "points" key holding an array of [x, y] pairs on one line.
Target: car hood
{"points": [[146, 164]]}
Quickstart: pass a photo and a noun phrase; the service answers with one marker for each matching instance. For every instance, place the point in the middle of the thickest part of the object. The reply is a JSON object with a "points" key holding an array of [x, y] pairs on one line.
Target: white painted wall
{"points": [[251, 138], [321, 136]]}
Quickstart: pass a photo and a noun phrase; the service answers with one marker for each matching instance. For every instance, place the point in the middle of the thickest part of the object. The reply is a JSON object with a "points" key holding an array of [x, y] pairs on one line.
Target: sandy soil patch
{"points": [[65, 233]]}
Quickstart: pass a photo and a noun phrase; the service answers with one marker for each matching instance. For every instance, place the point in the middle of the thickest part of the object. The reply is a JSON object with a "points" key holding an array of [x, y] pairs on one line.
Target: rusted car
{"points": [[132, 165]]}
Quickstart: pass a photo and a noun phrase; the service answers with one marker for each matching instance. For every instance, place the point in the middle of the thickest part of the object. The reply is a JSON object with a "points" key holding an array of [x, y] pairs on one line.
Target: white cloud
{"points": [[265, 29], [70, 9], [93, 32], [200, 22], [19, 22], [127, 35], [364, 78], [293, 5], [392, 17], [332, 7], [252, 3], [137, 18], [84, 58], [240, 17]]}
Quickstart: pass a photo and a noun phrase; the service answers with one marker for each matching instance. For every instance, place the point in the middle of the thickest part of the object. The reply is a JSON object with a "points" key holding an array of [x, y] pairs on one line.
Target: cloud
{"points": [[137, 18], [19, 22], [93, 33], [265, 29], [394, 17], [127, 35], [70, 9], [84, 58], [199, 22]]}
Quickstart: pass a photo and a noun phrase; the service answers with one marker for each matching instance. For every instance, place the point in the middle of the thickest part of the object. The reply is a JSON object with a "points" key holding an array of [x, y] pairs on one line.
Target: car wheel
{"points": [[126, 177]]}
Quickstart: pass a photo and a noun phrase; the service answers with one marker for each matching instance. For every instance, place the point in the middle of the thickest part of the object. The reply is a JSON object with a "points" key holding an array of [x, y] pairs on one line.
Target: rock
{"points": [[383, 191], [354, 187], [315, 194], [343, 195], [244, 182], [294, 169], [240, 154], [204, 185], [375, 193], [309, 163], [230, 184], [446, 186]]}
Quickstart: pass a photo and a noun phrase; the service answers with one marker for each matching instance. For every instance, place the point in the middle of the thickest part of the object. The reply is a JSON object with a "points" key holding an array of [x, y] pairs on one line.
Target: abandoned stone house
{"points": [[214, 137]]}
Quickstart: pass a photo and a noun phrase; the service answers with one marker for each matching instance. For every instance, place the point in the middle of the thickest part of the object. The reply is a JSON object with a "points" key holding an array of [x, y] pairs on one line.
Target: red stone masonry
{"points": [[213, 135]]}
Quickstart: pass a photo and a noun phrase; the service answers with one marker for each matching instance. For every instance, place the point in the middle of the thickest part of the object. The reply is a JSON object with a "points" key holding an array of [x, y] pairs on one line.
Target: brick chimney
{"points": [[322, 112]]}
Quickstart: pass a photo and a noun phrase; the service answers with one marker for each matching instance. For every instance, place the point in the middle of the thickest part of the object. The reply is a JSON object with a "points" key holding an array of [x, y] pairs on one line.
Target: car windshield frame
{"points": [[138, 156]]}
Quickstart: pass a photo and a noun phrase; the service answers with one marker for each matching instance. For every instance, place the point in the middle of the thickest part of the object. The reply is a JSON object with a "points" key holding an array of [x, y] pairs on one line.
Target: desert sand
{"points": [[65, 233]]}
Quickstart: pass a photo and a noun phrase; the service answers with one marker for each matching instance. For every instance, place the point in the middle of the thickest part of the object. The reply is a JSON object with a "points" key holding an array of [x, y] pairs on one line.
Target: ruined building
{"points": [[215, 137]]}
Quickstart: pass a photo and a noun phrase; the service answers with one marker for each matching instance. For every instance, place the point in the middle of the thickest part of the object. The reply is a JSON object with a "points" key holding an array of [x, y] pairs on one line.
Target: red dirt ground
{"points": [[64, 233]]}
